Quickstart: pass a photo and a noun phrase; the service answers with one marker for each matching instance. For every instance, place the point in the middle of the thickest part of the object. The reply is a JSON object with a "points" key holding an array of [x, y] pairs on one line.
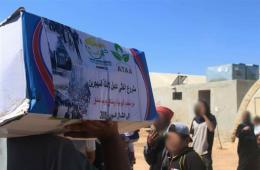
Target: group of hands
{"points": [[102, 130], [92, 129], [108, 134]]}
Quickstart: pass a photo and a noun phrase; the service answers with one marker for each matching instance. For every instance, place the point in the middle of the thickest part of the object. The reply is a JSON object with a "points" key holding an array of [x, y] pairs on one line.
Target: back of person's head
{"points": [[164, 117], [165, 112]]}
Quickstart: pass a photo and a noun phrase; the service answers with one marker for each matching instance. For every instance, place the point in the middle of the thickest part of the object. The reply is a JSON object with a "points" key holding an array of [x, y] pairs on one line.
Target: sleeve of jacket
{"points": [[153, 154], [194, 162], [191, 128], [150, 154], [245, 135], [239, 132]]}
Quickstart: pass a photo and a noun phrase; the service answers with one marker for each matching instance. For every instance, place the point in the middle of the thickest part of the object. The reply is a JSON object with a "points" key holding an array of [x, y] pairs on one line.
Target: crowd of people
{"points": [[170, 145], [175, 146]]}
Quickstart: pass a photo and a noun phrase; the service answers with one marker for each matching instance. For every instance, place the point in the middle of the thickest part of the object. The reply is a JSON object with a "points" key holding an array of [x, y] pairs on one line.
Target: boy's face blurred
{"points": [[174, 143], [199, 109]]}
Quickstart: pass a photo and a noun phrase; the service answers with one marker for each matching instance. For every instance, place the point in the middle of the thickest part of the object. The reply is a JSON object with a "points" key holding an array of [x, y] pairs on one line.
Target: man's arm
{"points": [[239, 132], [211, 124], [191, 128], [244, 133], [150, 151], [150, 155], [91, 150], [115, 156], [91, 156]]}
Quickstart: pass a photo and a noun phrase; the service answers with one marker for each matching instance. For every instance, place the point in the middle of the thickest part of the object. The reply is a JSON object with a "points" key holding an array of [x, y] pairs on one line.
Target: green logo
{"points": [[95, 49], [119, 53]]}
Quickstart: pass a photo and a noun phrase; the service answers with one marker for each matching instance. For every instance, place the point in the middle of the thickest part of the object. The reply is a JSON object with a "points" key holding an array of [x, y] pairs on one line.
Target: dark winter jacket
{"points": [[188, 159], [247, 147], [153, 155]]}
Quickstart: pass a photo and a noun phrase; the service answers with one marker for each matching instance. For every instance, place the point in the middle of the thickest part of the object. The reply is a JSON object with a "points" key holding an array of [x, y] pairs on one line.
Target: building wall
{"points": [[243, 86], [166, 79], [253, 100], [225, 99]]}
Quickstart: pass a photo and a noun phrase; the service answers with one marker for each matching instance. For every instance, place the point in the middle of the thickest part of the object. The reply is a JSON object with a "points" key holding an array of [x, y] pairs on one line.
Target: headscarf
{"points": [[165, 112]]}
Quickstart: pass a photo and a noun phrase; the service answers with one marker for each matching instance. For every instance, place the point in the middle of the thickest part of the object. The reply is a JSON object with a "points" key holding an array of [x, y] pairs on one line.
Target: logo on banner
{"points": [[96, 51], [123, 58], [124, 68], [119, 53]]}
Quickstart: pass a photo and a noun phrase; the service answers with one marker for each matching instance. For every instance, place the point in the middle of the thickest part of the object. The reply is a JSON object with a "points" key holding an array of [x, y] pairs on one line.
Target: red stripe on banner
{"points": [[141, 68], [38, 59]]}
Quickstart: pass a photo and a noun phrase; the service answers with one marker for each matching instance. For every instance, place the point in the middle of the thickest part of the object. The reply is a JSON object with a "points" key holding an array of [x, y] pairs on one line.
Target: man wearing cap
{"points": [[156, 138], [177, 154]]}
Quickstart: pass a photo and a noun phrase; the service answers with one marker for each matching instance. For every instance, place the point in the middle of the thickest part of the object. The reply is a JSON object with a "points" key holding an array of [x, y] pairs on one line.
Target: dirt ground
{"points": [[223, 159]]}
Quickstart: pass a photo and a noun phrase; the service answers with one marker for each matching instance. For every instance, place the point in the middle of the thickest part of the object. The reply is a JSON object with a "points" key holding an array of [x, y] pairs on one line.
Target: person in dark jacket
{"points": [[156, 138], [247, 145], [51, 152], [202, 130], [177, 154]]}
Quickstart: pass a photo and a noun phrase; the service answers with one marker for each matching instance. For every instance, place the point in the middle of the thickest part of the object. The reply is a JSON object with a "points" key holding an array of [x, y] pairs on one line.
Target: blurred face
{"points": [[200, 109], [245, 116], [161, 123], [175, 143]]}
